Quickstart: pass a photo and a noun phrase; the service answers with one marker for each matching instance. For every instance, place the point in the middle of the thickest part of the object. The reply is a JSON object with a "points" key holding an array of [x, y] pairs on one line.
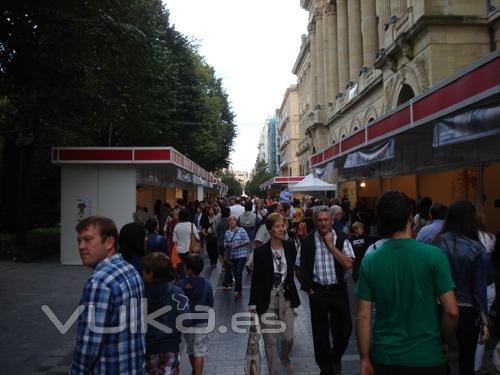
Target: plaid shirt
{"points": [[324, 262], [240, 237], [112, 285]]}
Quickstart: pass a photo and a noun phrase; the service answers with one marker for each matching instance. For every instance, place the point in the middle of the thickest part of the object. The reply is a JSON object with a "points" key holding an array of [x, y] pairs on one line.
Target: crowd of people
{"points": [[425, 278]]}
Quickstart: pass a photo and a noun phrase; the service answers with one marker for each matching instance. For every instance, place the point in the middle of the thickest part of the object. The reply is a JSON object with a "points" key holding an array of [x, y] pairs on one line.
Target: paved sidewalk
{"points": [[31, 345]]}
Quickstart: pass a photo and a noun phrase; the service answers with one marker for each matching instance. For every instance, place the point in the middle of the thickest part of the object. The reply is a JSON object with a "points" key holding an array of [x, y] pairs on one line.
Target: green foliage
{"points": [[234, 186], [99, 73], [259, 176]]}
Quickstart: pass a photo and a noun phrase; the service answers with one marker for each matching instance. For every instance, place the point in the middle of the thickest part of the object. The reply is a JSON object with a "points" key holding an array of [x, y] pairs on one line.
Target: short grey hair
{"points": [[319, 209], [336, 210]]}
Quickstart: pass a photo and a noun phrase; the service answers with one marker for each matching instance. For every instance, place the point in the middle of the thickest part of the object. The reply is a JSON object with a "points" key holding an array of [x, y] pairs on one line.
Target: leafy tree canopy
{"points": [[234, 186], [100, 73], [260, 175]]}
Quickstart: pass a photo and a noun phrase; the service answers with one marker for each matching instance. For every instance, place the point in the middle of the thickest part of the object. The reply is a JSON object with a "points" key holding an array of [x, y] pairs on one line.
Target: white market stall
{"points": [[311, 183], [111, 181]]}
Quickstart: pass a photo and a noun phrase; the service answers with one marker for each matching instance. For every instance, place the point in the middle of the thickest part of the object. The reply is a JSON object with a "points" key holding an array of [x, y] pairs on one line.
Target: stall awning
{"points": [[312, 183], [467, 88], [375, 154], [467, 126], [157, 166], [277, 182]]}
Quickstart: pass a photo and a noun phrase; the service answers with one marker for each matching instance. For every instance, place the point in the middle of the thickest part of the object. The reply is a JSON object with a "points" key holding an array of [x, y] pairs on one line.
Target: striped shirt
{"points": [[324, 262], [239, 237], [114, 284]]}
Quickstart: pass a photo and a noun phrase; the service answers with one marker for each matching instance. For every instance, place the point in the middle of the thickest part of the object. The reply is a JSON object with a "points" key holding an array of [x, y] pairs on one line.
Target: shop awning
{"points": [[467, 126], [467, 88], [375, 154], [156, 166], [275, 183]]}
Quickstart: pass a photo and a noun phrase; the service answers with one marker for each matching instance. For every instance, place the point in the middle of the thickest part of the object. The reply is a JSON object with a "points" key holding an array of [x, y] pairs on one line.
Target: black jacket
{"points": [[263, 277], [307, 257]]}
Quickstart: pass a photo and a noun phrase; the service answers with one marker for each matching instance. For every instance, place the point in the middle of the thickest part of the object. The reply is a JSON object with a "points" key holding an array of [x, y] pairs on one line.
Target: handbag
{"points": [[174, 258], [252, 357], [194, 244]]}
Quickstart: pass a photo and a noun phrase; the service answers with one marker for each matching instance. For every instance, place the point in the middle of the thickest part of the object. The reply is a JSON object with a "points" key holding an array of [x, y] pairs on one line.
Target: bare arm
{"points": [[363, 334]]}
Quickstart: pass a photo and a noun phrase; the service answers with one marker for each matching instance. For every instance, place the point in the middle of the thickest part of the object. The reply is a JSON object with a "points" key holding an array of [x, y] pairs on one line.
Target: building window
{"points": [[405, 94]]}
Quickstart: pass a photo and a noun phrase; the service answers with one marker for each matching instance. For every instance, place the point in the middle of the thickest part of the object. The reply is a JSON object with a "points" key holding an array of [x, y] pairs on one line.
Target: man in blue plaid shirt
{"points": [[109, 338]]}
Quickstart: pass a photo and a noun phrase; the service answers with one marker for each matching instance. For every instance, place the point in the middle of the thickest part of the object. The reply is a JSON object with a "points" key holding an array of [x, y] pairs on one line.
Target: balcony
{"points": [[284, 142], [303, 147], [284, 163]]}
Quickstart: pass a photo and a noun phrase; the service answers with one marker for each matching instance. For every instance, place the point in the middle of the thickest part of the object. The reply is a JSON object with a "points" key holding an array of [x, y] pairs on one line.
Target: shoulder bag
{"points": [[194, 244]]}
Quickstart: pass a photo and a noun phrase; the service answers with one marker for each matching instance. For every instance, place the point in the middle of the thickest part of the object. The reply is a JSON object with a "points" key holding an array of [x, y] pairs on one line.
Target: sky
{"points": [[252, 46]]}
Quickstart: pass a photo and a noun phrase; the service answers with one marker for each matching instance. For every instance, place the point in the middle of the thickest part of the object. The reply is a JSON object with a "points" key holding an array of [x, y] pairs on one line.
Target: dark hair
{"points": [[296, 203], [225, 211], [248, 206], [461, 220], [180, 201], [285, 206], [424, 207], [273, 207], [159, 264], [438, 211], [151, 224], [394, 208], [194, 263], [184, 215], [105, 225], [131, 240]]}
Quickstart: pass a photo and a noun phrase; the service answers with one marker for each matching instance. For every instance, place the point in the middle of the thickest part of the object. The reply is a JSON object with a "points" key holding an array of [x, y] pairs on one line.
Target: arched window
{"points": [[370, 120], [405, 94], [355, 129]]}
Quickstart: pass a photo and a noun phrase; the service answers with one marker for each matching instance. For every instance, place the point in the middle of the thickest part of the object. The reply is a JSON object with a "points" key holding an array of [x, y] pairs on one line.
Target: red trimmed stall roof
{"points": [[444, 98], [129, 155], [280, 180]]}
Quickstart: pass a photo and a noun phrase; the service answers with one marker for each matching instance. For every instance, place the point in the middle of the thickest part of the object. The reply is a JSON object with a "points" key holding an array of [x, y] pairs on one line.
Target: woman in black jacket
{"points": [[273, 294]]}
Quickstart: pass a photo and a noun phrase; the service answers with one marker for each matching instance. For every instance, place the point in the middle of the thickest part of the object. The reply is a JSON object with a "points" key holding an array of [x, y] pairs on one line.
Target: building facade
{"points": [[273, 156], [363, 60], [288, 131]]}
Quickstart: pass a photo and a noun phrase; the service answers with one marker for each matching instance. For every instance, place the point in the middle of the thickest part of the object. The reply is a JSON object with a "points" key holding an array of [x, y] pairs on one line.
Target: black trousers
{"points": [[330, 313], [399, 370], [467, 336], [212, 249]]}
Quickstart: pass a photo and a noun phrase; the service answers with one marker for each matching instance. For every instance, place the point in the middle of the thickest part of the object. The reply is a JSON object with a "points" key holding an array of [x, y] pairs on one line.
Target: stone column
{"points": [[369, 30], [312, 67], [343, 44], [398, 7], [383, 14], [320, 58], [332, 66], [355, 39]]}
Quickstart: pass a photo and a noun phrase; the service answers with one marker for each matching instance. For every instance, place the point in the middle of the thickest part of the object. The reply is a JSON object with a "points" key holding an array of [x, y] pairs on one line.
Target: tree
{"points": [[107, 73], [260, 175], [234, 186]]}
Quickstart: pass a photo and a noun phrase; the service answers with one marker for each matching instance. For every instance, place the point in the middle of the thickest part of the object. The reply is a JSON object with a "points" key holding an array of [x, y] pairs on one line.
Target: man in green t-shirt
{"points": [[404, 278]]}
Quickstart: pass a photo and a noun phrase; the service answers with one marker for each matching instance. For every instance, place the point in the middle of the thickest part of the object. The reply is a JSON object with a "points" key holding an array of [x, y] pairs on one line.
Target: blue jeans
{"points": [[237, 269]]}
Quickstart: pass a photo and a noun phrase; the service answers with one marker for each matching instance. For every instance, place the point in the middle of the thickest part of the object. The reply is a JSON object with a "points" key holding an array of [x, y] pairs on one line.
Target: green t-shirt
{"points": [[403, 278]]}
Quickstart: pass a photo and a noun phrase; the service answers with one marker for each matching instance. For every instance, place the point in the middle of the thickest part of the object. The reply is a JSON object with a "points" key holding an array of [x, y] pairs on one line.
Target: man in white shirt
{"points": [[182, 236], [236, 208]]}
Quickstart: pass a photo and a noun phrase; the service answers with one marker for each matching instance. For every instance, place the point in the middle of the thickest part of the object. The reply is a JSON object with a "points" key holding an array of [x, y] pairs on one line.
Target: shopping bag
{"points": [[175, 258], [252, 357]]}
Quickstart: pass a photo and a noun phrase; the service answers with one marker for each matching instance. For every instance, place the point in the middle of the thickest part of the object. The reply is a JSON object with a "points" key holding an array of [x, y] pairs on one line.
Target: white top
{"points": [[279, 261], [182, 236], [236, 210]]}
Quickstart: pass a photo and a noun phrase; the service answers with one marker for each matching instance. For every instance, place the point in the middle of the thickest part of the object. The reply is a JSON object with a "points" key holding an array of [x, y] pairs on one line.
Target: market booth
{"points": [[273, 185], [443, 144], [112, 181]]}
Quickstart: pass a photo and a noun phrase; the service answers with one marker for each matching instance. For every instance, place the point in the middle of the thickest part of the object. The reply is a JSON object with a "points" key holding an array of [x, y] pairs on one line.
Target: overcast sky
{"points": [[252, 45]]}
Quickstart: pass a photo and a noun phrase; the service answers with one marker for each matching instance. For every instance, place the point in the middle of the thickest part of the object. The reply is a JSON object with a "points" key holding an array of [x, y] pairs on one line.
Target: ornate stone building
{"points": [[288, 129], [363, 58]]}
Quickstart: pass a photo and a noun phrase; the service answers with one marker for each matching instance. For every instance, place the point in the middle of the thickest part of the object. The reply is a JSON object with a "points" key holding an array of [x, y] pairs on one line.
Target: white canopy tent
{"points": [[312, 183]]}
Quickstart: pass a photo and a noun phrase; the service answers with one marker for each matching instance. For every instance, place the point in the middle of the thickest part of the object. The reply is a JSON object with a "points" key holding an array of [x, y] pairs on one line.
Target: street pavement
{"points": [[31, 345]]}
